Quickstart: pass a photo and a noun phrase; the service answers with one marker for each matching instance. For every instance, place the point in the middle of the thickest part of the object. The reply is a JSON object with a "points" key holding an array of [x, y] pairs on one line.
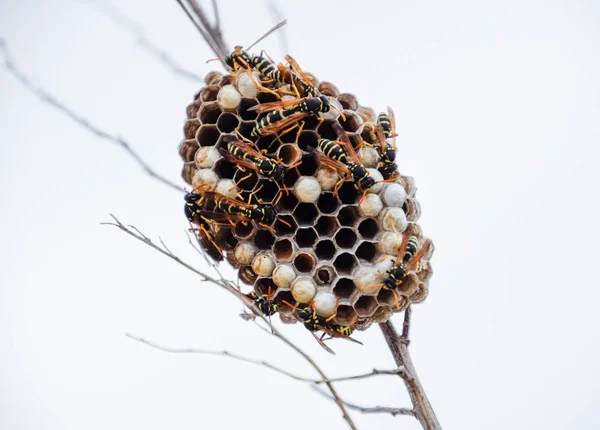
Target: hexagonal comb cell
{"points": [[264, 239], [190, 128], [245, 114], [264, 286], [289, 154], [346, 315], [305, 262], [265, 97], [325, 249], [353, 121], [348, 215], [326, 225], [348, 101], [368, 228], [308, 167], [326, 131], [306, 237], [188, 149], [305, 214], [345, 262], [365, 306], [209, 113], [327, 203], [283, 249], [268, 190], [266, 144], [243, 230], [366, 251], [344, 288], [324, 275], [284, 225], [247, 275], [286, 203], [245, 180], [308, 139], [245, 129], [290, 177], [348, 193], [345, 238], [227, 122], [225, 169], [208, 135], [209, 94]]}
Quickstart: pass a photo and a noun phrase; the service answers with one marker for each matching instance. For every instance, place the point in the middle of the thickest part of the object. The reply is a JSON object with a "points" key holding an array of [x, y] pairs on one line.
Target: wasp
{"points": [[386, 136], [341, 156], [242, 154], [313, 323], [193, 209], [409, 256], [241, 59], [288, 113], [299, 79], [263, 303]]}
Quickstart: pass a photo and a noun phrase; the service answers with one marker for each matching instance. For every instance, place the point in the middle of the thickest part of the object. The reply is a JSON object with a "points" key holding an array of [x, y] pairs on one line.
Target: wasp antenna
{"points": [[215, 59], [281, 24]]}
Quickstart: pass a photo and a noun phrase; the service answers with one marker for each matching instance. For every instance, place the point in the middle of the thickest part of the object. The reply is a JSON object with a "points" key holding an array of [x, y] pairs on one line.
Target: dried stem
{"points": [[371, 409], [398, 345], [207, 33], [263, 363], [124, 21], [46, 97], [137, 234]]}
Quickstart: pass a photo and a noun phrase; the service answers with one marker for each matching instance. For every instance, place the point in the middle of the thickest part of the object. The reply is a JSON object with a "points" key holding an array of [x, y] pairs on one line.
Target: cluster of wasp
{"points": [[295, 101]]}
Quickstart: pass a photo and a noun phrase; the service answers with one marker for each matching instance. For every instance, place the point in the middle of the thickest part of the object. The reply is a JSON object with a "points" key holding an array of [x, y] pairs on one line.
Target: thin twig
{"points": [[370, 409], [124, 21], [205, 35], [212, 30], [405, 336], [263, 363], [225, 353], [226, 285], [46, 97]]}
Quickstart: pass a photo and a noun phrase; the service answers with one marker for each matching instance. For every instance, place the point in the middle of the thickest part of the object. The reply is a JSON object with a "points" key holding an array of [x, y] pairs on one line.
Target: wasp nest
{"points": [[329, 249]]}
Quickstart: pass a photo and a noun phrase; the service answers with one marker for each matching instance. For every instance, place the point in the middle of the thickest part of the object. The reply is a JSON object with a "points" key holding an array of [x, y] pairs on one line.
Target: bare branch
{"points": [[227, 285], [404, 337], [423, 411], [399, 371], [46, 97], [205, 35], [370, 409], [124, 21], [213, 30], [224, 353]]}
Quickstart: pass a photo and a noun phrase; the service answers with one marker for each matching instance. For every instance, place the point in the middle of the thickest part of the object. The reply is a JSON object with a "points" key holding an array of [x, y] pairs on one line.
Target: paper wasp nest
{"points": [[329, 246]]}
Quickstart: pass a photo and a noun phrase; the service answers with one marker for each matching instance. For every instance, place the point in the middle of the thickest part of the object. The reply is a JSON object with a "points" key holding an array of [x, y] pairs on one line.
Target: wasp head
{"points": [[388, 169], [264, 213], [278, 173]]}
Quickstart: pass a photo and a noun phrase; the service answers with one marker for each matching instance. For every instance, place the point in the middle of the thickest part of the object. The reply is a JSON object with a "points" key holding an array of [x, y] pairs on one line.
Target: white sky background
{"points": [[498, 108]]}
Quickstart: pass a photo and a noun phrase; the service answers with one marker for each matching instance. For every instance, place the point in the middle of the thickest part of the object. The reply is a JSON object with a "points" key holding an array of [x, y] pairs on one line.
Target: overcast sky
{"points": [[498, 118]]}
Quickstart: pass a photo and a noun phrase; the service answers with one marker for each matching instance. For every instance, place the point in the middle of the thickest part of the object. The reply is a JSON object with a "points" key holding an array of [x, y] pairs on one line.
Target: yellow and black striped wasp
{"points": [[242, 154], [300, 81], [314, 323], [340, 155], [231, 211], [287, 114], [193, 209], [407, 261], [263, 303], [241, 59], [386, 137]]}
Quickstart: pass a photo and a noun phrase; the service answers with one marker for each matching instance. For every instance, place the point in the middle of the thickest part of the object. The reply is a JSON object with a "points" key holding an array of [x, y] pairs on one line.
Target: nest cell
{"points": [[325, 249], [306, 237]]}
